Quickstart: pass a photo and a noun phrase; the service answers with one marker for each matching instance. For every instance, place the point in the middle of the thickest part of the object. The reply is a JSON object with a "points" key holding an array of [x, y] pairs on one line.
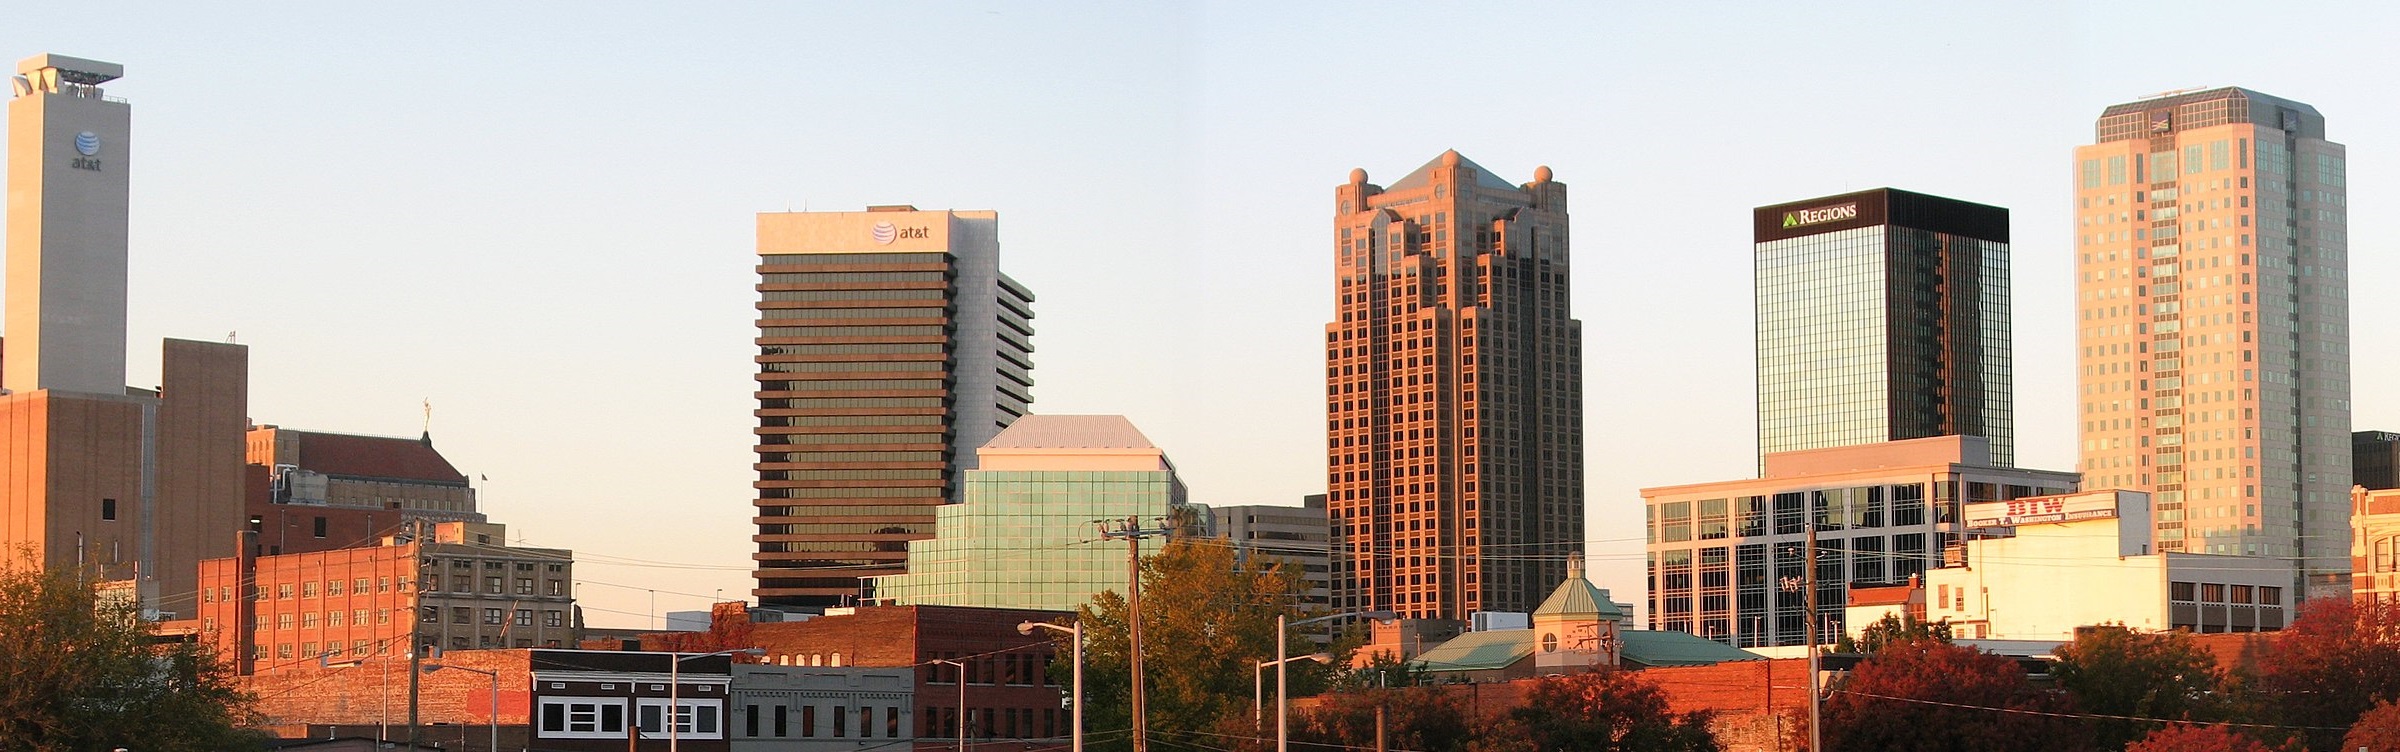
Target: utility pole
{"points": [[414, 528], [1132, 531]]}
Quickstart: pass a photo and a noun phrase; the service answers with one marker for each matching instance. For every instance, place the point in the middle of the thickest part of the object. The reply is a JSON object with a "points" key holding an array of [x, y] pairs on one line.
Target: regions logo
{"points": [[885, 233], [87, 143], [1806, 217]]}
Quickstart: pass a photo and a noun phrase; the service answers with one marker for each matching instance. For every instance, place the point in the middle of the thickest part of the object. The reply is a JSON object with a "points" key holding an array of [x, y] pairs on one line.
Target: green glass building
{"points": [[1026, 534]]}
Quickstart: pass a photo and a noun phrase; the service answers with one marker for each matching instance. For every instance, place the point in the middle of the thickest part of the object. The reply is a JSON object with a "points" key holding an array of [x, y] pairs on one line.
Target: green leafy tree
{"points": [[2112, 670], [1604, 710], [2327, 669], [1890, 629], [1931, 695], [78, 672], [1207, 620]]}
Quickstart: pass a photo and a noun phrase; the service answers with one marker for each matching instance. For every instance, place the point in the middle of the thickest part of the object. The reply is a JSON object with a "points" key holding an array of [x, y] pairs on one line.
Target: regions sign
{"points": [[2038, 510], [1806, 217]]}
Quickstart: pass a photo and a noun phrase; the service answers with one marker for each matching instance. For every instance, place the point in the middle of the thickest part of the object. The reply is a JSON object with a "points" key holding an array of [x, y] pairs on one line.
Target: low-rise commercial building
{"points": [[1009, 697], [2040, 567], [319, 491], [794, 709], [2375, 545]]}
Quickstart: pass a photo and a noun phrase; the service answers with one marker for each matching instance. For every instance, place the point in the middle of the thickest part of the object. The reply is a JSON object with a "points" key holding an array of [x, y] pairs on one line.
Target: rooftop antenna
{"points": [[229, 337], [2173, 92]]}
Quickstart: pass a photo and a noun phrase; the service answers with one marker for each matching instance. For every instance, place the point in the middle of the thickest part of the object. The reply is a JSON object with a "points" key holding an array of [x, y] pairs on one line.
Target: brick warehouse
{"points": [[276, 613], [1010, 698]]}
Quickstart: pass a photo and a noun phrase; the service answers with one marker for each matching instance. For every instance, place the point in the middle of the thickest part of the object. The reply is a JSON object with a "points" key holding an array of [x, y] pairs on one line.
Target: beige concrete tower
{"points": [[121, 484], [67, 165], [2213, 324]]}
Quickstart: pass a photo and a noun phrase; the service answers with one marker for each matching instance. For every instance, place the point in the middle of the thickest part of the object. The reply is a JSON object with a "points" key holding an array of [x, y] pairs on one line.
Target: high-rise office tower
{"points": [[1883, 316], [890, 346], [1454, 395], [2213, 323], [128, 485]]}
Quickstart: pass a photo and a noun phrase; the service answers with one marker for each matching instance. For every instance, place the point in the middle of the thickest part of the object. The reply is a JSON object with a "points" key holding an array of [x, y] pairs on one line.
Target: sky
{"points": [[537, 217]]}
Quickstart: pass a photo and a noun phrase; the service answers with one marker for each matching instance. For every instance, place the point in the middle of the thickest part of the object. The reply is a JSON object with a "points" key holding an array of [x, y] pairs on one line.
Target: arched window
{"points": [[837, 660]]}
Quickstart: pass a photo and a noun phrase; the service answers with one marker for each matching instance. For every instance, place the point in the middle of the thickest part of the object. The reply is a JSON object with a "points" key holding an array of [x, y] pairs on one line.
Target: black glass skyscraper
{"points": [[1883, 315]]}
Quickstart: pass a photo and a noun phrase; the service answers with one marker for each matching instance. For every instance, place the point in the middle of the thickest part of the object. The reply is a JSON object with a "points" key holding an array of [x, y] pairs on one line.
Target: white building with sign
{"points": [[2038, 567]]}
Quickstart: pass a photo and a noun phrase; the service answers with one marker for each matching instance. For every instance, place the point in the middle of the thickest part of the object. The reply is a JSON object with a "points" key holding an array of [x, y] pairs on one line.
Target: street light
{"points": [[1283, 695], [1075, 731], [495, 697], [959, 715], [675, 686], [1258, 694]]}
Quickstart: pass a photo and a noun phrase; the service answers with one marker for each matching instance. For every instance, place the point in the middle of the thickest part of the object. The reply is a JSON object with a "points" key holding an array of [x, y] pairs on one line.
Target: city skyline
{"points": [[370, 234]]}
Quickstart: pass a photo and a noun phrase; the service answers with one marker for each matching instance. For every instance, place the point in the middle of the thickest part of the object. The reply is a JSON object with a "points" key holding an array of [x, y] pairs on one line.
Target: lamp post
{"points": [[959, 714], [675, 687], [495, 738], [1258, 695], [1075, 731], [1283, 695]]}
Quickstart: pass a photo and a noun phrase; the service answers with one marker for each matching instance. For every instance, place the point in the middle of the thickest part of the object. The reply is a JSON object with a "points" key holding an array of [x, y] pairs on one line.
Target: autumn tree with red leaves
{"points": [[1604, 710], [2336, 661], [2185, 737], [1931, 695], [2378, 729]]}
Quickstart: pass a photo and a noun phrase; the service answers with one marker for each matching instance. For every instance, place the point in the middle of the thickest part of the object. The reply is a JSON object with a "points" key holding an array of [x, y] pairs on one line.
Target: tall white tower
{"points": [[68, 150]]}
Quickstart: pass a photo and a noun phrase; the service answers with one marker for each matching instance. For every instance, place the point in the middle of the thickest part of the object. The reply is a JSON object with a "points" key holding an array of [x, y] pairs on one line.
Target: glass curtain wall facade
{"points": [[889, 346], [1024, 539], [2213, 324], [1728, 561], [1454, 394], [1883, 316]]}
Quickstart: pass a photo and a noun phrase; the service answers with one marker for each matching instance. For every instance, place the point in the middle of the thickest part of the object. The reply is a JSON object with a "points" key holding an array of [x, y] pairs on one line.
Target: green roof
{"points": [[1577, 597], [1662, 648], [1479, 651]]}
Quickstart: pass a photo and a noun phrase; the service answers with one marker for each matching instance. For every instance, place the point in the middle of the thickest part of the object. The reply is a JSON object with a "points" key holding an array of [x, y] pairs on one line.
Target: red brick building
{"points": [[465, 589]]}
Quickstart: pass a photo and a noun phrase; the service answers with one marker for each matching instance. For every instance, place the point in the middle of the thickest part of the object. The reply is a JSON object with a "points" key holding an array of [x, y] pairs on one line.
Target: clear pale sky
{"points": [[538, 216]]}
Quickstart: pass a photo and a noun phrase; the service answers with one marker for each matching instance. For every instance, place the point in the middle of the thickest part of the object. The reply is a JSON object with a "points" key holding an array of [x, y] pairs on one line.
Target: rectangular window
{"points": [[841, 721], [491, 616], [492, 585], [462, 615], [108, 509], [524, 617], [808, 719], [2180, 591], [524, 586], [318, 528], [582, 718], [554, 618], [750, 719], [782, 728]]}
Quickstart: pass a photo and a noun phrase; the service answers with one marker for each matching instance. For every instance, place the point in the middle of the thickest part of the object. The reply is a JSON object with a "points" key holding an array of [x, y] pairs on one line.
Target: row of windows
{"points": [[934, 474], [492, 616], [849, 420], [818, 296], [310, 620], [2217, 592], [823, 278], [880, 348], [852, 331], [808, 259], [849, 493], [872, 365], [777, 721], [789, 314], [832, 402], [604, 718], [845, 510], [851, 457], [861, 438]]}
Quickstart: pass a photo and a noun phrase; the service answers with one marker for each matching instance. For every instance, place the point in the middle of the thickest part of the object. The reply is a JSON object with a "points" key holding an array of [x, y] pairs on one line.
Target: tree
{"points": [[2378, 729], [1890, 629], [2112, 670], [1603, 710], [1426, 719], [1207, 620], [1931, 695], [2186, 737], [78, 672], [2327, 669]]}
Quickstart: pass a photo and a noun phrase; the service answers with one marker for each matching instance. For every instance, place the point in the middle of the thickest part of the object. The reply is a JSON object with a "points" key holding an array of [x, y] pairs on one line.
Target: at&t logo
{"points": [[884, 233]]}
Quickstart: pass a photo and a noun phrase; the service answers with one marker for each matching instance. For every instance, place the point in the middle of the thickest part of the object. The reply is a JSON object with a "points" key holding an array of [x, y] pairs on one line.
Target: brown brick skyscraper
{"points": [[1454, 398]]}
